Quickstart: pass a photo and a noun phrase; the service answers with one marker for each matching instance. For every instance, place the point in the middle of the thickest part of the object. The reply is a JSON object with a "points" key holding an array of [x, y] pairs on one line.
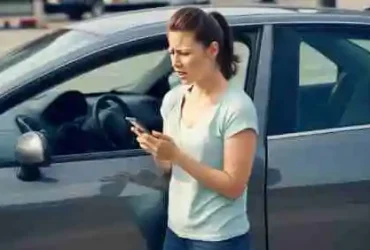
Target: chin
{"points": [[186, 82]]}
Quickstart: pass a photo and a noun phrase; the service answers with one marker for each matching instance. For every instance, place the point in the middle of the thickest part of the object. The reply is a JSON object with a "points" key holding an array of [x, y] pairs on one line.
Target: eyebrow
{"points": [[181, 49]]}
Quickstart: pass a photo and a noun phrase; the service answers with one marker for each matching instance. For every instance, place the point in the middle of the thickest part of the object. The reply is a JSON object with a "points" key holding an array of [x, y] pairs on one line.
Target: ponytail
{"points": [[227, 60]]}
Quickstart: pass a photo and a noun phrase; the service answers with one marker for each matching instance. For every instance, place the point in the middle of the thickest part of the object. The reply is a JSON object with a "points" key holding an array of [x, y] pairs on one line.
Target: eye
{"points": [[184, 53]]}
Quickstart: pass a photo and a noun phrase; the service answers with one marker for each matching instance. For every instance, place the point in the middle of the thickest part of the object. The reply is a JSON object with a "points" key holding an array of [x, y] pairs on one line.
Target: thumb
{"points": [[160, 135]]}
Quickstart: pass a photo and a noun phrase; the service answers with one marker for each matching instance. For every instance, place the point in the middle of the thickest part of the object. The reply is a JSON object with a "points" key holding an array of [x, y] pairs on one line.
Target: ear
{"points": [[213, 49]]}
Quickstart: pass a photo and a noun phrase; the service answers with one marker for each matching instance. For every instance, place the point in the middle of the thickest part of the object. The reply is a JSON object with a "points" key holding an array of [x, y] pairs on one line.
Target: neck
{"points": [[212, 84]]}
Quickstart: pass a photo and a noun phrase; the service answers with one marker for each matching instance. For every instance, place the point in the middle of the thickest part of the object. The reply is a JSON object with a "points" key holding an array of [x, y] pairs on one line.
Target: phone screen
{"points": [[135, 122]]}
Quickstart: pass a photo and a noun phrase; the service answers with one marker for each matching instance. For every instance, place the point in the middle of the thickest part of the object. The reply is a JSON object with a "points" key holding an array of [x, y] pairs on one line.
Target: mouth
{"points": [[181, 74]]}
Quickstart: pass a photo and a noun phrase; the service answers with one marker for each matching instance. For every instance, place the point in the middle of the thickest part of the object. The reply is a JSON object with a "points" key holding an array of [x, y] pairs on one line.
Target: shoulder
{"points": [[170, 99], [237, 102], [238, 112]]}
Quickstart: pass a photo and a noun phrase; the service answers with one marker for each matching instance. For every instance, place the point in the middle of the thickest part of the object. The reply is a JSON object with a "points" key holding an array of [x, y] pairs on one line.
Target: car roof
{"points": [[113, 23]]}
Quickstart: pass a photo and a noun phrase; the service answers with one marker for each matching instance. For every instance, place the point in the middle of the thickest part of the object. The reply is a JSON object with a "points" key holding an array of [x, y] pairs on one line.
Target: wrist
{"points": [[178, 156]]}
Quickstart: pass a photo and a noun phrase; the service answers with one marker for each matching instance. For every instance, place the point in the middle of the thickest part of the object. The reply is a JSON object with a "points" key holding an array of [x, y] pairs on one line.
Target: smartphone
{"points": [[135, 122]]}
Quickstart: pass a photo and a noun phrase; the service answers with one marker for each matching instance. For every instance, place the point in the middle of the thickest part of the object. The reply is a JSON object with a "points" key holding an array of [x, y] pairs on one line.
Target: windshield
{"points": [[40, 52]]}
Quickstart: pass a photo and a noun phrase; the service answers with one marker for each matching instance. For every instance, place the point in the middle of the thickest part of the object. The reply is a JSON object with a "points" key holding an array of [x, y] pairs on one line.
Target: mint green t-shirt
{"points": [[194, 211]]}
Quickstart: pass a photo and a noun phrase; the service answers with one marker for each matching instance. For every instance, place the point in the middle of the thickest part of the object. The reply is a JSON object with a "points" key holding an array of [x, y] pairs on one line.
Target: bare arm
{"points": [[165, 166], [239, 153]]}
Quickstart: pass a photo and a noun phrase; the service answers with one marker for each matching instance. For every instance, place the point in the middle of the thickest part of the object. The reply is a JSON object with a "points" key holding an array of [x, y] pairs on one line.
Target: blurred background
{"points": [[24, 20]]}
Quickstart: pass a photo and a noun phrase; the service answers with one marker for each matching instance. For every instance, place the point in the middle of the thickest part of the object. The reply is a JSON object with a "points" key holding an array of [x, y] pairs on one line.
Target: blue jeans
{"points": [[174, 242]]}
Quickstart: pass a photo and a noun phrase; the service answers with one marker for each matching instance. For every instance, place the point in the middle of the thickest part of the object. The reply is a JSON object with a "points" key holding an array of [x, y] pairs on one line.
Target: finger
{"points": [[151, 140], [145, 140], [146, 148], [140, 129], [160, 135], [135, 131]]}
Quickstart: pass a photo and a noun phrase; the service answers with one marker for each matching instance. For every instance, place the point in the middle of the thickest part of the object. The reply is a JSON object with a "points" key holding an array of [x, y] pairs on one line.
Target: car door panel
{"points": [[73, 207], [320, 201]]}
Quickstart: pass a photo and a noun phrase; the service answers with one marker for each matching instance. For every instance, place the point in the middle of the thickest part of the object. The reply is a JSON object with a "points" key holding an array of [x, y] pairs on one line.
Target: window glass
{"points": [[127, 75], [319, 80], [40, 52], [314, 67], [364, 43], [243, 52]]}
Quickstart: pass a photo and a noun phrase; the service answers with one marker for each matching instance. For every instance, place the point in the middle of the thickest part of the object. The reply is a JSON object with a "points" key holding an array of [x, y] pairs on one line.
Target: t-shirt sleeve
{"points": [[165, 106], [169, 101], [241, 115]]}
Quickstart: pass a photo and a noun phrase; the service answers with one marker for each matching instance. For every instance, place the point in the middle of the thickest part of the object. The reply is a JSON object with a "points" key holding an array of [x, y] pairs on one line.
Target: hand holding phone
{"points": [[137, 124]]}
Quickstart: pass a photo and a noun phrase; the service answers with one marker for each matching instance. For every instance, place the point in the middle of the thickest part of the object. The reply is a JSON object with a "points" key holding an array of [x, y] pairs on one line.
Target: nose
{"points": [[176, 61]]}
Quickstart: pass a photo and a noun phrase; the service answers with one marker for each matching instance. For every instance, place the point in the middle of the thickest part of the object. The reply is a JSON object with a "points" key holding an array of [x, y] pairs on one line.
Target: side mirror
{"points": [[31, 152]]}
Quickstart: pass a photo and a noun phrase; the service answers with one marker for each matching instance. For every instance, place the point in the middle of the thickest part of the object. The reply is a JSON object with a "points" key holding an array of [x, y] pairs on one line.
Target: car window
{"points": [[314, 67], [243, 51], [126, 75], [41, 52], [364, 43], [322, 83]]}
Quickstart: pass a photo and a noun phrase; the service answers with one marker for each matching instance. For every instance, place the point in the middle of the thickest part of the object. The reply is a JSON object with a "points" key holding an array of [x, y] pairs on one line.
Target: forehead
{"points": [[181, 38]]}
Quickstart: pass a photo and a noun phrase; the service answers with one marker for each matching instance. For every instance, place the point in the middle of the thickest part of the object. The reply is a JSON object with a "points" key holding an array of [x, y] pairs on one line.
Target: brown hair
{"points": [[207, 29]]}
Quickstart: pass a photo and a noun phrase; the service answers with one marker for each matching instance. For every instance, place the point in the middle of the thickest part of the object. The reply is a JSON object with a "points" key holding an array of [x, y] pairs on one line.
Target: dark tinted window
{"points": [[320, 79]]}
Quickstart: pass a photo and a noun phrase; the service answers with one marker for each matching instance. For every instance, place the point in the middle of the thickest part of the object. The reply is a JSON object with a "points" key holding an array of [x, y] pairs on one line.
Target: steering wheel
{"points": [[111, 124]]}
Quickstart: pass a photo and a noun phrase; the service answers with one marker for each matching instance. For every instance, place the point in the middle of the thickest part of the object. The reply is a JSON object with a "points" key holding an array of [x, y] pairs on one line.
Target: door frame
{"points": [[261, 85]]}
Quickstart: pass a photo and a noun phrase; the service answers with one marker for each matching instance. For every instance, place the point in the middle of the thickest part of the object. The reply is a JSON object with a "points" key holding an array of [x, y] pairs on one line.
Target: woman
{"points": [[209, 138]]}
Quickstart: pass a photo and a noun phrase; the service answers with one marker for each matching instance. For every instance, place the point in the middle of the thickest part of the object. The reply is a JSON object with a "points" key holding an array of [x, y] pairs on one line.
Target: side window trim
{"points": [[122, 153], [116, 154], [319, 132], [258, 83]]}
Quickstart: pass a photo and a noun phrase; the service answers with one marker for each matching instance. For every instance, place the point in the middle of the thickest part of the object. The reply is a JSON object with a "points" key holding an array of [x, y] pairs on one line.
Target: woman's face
{"points": [[190, 59]]}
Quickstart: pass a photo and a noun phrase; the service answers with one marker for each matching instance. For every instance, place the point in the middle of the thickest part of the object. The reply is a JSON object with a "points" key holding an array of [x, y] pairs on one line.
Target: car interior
{"points": [[296, 107]]}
